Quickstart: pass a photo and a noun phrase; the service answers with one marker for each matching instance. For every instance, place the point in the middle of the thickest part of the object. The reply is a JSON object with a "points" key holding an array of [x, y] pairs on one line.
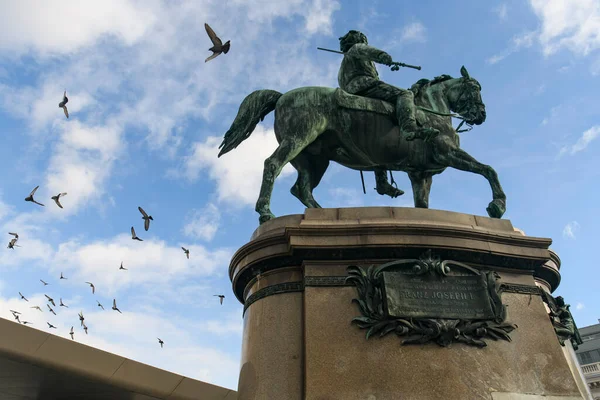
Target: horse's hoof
{"points": [[265, 217], [496, 208]]}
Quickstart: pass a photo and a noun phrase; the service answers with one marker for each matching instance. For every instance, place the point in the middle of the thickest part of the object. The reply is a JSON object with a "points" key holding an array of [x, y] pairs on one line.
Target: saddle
{"points": [[354, 102]]}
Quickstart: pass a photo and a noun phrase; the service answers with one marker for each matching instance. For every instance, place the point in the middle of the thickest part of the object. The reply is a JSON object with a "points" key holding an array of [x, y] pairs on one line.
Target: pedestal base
{"points": [[299, 342]]}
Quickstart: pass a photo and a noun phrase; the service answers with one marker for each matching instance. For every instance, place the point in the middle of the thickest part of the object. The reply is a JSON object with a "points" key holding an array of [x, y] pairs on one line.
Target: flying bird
{"points": [[14, 312], [50, 325], [45, 284], [72, 333], [218, 46], [16, 235], [12, 244], [220, 296], [81, 317], [114, 307], [85, 328], [61, 276], [30, 197], [147, 218], [63, 104], [37, 308], [57, 197], [160, 342], [134, 236], [50, 308], [23, 297], [51, 300], [26, 322], [121, 267], [17, 318], [92, 286], [186, 251], [63, 305], [100, 305]]}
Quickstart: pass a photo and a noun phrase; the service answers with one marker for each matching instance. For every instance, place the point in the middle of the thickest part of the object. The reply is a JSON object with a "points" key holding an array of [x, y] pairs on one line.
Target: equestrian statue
{"points": [[367, 125]]}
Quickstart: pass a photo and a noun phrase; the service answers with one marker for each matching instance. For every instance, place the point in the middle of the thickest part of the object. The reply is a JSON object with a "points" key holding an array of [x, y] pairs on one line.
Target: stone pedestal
{"points": [[298, 340]]}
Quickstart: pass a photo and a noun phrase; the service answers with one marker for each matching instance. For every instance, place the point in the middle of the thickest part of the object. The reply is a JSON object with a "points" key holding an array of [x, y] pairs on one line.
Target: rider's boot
{"points": [[405, 112]]}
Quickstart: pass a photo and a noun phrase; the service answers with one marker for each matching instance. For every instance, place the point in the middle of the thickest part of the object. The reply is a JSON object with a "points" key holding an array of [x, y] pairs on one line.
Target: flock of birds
{"points": [[217, 48]]}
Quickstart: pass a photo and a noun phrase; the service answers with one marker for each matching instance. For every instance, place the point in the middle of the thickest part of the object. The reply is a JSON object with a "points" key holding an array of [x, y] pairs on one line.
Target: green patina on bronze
{"points": [[562, 320], [418, 321], [366, 125]]}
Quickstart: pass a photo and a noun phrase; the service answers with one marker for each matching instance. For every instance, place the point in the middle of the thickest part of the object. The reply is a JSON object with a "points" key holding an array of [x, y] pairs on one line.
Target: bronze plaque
{"points": [[429, 296]]}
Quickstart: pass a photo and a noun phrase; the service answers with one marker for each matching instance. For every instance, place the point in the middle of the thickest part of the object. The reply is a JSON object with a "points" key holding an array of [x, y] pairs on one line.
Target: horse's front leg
{"points": [[383, 185], [447, 154], [421, 186]]}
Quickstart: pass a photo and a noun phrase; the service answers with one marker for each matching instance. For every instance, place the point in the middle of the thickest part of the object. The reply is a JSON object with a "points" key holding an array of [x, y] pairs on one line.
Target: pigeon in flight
{"points": [[85, 328], [160, 342], [114, 307], [100, 305], [12, 243], [61, 276], [63, 305], [50, 308], [81, 317], [63, 104], [121, 267], [72, 333], [57, 197], [23, 297], [134, 236], [50, 325], [15, 312], [30, 197], [220, 296], [26, 322], [147, 218], [218, 46], [92, 286], [45, 284], [186, 251], [51, 300], [37, 308]]}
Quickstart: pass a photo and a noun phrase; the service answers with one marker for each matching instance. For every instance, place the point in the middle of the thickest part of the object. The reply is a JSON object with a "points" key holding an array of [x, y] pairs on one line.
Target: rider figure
{"points": [[358, 76]]}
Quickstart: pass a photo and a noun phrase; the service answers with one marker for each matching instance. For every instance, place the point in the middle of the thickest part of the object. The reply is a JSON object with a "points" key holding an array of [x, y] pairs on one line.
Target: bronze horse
{"points": [[316, 125]]}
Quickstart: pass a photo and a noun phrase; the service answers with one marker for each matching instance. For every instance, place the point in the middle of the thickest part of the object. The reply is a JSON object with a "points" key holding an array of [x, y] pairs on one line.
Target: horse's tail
{"points": [[253, 109]]}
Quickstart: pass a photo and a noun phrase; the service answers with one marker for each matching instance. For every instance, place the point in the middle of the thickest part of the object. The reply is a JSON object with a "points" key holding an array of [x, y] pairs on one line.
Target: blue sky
{"points": [[147, 116]]}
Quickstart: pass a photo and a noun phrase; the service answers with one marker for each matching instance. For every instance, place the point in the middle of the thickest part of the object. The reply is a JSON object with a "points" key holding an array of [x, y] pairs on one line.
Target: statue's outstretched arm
{"points": [[370, 53]]}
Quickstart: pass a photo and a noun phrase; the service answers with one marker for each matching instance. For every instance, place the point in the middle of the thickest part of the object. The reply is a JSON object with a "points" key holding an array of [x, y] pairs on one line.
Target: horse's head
{"points": [[464, 96]]}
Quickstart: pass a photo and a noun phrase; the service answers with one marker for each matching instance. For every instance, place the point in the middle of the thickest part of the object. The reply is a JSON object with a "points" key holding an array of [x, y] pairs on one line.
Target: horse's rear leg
{"points": [[421, 186], [288, 149], [310, 171]]}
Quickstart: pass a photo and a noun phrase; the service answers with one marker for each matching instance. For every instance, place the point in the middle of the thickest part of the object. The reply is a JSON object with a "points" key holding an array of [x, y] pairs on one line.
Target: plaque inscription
{"points": [[428, 296]]}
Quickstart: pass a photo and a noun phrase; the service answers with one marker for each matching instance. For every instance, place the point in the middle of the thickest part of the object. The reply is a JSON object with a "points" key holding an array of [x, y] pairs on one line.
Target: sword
{"points": [[395, 65]]}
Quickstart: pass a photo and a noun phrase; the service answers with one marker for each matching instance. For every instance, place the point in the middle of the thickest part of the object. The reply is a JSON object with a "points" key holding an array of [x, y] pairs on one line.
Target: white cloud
{"points": [[64, 26], [580, 306], [570, 229], [319, 16], [518, 42], [238, 173], [203, 224], [345, 197], [501, 11], [574, 25], [582, 143], [414, 32], [98, 262]]}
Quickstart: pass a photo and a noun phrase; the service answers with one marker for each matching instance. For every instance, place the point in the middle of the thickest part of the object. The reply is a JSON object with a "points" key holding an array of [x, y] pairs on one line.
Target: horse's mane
{"points": [[422, 83]]}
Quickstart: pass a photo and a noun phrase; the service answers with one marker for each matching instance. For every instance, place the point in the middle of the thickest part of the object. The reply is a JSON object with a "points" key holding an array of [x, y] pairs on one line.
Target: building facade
{"points": [[588, 356]]}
